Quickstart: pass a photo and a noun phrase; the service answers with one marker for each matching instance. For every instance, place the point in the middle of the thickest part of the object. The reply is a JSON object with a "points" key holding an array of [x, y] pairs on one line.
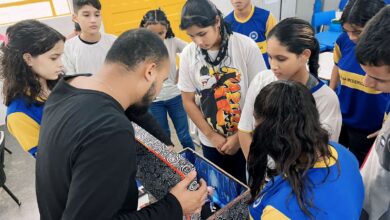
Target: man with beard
{"points": [[86, 163]]}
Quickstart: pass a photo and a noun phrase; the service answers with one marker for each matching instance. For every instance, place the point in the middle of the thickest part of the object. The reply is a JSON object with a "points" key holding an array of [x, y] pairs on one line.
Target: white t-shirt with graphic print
{"points": [[221, 89], [326, 99]]}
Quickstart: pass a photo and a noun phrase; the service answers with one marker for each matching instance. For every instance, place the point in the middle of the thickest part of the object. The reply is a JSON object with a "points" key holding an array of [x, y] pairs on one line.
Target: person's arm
{"points": [[151, 125], [180, 45], [25, 130], [101, 180], [252, 57], [245, 139], [196, 116], [246, 124], [330, 115], [335, 77]]}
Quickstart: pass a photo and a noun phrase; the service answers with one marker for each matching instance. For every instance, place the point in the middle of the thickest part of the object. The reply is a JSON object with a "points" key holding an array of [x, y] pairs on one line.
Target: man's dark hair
{"points": [[373, 46], [136, 46], [77, 4]]}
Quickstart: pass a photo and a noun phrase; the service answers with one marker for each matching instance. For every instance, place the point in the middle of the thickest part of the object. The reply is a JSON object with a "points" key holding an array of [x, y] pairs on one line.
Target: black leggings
{"points": [[356, 141]]}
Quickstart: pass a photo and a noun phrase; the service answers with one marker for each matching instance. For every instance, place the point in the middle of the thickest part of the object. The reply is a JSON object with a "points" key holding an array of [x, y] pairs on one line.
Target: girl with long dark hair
{"points": [[169, 100], [31, 62], [292, 48], [309, 171], [217, 67]]}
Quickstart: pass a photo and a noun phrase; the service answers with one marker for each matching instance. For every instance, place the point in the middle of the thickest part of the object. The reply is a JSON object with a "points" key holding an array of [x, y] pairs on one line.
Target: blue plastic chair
{"points": [[329, 37], [342, 4]]}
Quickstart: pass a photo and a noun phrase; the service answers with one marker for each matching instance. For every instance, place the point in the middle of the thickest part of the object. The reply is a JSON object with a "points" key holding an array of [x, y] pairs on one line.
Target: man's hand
{"points": [[190, 201]]}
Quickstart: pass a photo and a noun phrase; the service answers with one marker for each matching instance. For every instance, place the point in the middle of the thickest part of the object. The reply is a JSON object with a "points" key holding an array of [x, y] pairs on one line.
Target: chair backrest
{"points": [[342, 4], [323, 18]]}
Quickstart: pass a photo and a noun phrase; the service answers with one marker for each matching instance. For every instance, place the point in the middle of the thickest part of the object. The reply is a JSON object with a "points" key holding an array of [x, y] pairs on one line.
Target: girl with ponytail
{"points": [[169, 101], [291, 47], [217, 67], [308, 168]]}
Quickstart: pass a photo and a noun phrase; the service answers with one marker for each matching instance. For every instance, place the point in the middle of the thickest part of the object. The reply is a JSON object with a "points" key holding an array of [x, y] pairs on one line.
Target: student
{"points": [[373, 54], [362, 107], [308, 168], [291, 45], [169, 100], [89, 145], [86, 53], [251, 21], [218, 67], [31, 61]]}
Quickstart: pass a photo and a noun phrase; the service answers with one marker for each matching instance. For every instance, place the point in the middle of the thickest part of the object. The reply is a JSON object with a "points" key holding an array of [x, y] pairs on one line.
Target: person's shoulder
{"points": [[343, 40], [243, 40], [230, 17], [109, 37], [261, 11], [73, 42], [325, 91], [189, 50], [263, 78]]}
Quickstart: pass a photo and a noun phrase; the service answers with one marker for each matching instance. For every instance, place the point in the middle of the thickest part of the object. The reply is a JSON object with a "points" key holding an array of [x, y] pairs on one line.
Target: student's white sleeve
{"points": [[246, 123], [330, 116], [68, 62], [180, 45], [185, 83], [254, 61]]}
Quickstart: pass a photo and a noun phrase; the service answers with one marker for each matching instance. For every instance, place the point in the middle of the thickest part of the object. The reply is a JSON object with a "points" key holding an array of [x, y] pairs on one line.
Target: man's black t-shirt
{"points": [[86, 161]]}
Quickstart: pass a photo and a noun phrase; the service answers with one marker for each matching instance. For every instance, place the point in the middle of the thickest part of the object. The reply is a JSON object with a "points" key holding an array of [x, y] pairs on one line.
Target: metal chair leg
{"points": [[6, 149], [12, 195]]}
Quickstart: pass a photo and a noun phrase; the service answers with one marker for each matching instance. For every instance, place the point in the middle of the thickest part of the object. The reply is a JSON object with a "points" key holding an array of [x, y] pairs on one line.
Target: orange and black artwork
{"points": [[220, 98]]}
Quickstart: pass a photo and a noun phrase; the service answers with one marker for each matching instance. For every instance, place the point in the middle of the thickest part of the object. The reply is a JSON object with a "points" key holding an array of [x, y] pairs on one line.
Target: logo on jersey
{"points": [[254, 35]]}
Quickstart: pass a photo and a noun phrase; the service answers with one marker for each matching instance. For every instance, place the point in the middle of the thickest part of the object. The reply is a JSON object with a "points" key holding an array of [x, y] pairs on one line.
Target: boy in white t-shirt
{"points": [[86, 52], [291, 46]]}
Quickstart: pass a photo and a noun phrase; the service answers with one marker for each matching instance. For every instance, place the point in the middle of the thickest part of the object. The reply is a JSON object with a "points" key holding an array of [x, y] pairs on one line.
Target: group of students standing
{"points": [[256, 100]]}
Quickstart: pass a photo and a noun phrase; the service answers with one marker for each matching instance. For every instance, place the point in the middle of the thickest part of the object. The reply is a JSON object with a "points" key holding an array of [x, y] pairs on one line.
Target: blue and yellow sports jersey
{"points": [[387, 112], [256, 26], [340, 196], [23, 122], [362, 108]]}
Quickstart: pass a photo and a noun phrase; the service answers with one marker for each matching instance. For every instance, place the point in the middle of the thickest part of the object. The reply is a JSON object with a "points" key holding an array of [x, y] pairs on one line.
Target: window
{"points": [[12, 11]]}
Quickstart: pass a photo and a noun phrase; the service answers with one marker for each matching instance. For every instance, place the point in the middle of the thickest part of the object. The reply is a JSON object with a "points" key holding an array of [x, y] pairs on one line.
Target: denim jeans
{"points": [[173, 107]]}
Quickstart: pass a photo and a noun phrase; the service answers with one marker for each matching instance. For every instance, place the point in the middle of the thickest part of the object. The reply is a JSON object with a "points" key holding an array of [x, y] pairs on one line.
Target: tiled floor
{"points": [[20, 171]]}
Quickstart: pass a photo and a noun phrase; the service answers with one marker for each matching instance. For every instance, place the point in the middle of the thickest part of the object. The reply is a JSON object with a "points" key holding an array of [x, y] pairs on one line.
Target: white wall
{"points": [[63, 24]]}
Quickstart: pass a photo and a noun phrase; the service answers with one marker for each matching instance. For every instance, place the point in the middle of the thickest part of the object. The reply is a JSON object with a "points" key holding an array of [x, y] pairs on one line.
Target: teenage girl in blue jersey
{"points": [[362, 107], [309, 171], [31, 62]]}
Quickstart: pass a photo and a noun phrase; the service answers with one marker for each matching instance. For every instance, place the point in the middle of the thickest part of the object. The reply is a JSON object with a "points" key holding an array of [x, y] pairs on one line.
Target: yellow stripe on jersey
{"points": [[330, 161], [24, 129], [271, 22], [355, 81], [270, 213], [262, 46], [336, 54]]}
